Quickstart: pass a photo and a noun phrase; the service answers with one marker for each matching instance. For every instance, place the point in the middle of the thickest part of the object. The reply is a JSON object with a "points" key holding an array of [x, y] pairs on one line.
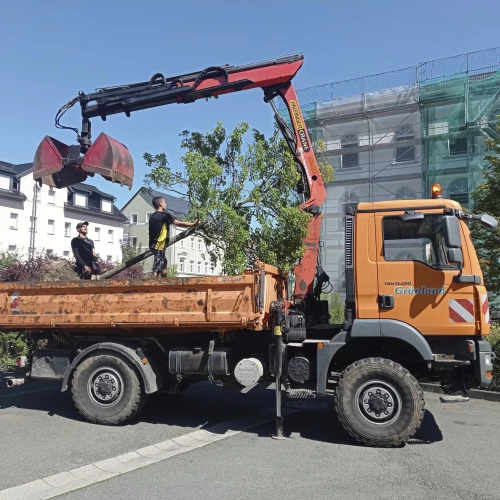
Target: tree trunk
{"points": [[144, 255]]}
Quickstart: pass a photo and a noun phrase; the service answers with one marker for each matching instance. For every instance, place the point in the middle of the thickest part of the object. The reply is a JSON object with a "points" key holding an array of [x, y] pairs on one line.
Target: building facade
{"points": [[392, 135], [188, 255], [49, 224]]}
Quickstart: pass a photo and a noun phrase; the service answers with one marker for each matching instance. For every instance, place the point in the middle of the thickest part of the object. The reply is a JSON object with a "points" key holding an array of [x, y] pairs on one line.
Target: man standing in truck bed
{"points": [[84, 253], [159, 223]]}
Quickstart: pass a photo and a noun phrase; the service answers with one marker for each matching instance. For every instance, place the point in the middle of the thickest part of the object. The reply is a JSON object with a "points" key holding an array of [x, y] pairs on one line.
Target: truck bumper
{"points": [[484, 362]]}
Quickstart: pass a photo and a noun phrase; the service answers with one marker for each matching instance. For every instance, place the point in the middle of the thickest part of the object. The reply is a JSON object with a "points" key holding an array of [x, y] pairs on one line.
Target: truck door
{"points": [[415, 280]]}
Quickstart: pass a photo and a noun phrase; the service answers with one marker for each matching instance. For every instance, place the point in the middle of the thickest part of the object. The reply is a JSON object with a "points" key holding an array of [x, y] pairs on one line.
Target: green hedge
{"points": [[494, 340]]}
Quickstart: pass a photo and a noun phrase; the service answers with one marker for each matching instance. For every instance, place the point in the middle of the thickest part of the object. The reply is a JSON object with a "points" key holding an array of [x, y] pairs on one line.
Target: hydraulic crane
{"points": [[60, 165]]}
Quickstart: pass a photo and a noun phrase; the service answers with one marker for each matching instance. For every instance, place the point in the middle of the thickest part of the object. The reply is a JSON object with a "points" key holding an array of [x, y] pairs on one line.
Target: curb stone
{"points": [[473, 393]]}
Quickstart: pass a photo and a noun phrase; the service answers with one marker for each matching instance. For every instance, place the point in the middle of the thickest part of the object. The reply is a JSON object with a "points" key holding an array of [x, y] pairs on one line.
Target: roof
{"points": [[91, 189], [16, 195], [175, 206]]}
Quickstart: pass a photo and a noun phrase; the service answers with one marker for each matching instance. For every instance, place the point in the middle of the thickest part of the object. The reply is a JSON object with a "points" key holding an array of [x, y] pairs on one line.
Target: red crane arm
{"points": [[60, 165]]}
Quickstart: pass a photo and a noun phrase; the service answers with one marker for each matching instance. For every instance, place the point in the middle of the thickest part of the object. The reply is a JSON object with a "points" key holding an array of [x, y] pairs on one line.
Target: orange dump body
{"points": [[136, 307]]}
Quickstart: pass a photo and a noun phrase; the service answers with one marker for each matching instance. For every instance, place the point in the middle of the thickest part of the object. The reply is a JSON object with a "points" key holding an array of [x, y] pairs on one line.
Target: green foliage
{"points": [[494, 340], [172, 271], [11, 346], [245, 195], [486, 199], [327, 173], [336, 307]]}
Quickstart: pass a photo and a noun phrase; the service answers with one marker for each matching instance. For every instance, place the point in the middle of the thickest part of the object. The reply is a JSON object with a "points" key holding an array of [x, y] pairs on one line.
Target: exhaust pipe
{"points": [[15, 382]]}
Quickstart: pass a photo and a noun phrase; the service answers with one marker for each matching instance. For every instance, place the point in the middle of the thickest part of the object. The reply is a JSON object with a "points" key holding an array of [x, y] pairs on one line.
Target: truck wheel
{"points": [[106, 389], [379, 402]]}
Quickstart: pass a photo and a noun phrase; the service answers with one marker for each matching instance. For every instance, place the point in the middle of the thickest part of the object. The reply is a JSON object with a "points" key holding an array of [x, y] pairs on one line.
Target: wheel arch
{"points": [[367, 338], [152, 382]]}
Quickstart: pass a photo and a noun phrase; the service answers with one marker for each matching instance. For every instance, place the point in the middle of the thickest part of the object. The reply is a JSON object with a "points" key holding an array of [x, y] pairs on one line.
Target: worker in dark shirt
{"points": [[159, 223], [84, 252]]}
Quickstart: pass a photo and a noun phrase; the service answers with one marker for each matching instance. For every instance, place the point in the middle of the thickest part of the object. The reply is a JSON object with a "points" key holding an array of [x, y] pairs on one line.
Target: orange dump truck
{"points": [[416, 307]]}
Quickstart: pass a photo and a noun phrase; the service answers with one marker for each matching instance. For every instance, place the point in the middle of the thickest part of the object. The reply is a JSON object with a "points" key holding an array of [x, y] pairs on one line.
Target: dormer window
{"points": [[4, 182], [106, 206], [80, 200]]}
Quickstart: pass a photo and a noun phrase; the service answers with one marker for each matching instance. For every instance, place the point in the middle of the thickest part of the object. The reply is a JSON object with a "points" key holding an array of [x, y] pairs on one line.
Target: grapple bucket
{"points": [[59, 165]]}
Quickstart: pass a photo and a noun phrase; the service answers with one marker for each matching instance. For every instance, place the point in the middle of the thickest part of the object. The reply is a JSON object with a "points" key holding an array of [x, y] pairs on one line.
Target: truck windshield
{"points": [[419, 240]]}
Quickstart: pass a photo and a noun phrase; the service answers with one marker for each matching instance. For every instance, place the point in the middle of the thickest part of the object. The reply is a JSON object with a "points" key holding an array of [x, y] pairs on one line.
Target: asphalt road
{"points": [[455, 456], [41, 432]]}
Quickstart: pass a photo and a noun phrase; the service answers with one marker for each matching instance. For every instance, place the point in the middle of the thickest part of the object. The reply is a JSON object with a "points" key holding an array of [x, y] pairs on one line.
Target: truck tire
{"points": [[379, 403], [106, 389]]}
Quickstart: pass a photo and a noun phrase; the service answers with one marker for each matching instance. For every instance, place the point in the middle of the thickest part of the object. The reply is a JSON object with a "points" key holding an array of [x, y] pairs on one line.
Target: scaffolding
{"points": [[457, 100], [394, 134]]}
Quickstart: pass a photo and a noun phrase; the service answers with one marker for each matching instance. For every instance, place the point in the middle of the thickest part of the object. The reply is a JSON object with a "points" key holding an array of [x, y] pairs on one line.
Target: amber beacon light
{"points": [[436, 190]]}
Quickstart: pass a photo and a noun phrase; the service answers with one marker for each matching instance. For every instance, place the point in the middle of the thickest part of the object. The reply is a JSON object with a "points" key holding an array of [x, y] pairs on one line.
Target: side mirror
{"points": [[411, 215], [452, 232], [455, 256], [489, 221]]}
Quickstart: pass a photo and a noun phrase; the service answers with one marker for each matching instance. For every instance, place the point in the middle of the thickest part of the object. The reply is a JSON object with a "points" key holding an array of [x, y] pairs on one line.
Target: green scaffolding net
{"points": [[459, 100]]}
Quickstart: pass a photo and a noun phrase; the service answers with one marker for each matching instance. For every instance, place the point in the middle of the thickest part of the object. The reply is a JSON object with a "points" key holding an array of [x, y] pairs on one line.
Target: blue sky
{"points": [[52, 49]]}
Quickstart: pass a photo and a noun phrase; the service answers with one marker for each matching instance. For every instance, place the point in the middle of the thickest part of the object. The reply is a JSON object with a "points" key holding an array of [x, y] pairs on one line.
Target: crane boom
{"points": [[59, 165]]}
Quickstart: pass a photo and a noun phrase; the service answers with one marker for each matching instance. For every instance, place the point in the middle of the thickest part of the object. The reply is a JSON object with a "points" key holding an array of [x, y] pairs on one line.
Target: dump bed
{"points": [[136, 306]]}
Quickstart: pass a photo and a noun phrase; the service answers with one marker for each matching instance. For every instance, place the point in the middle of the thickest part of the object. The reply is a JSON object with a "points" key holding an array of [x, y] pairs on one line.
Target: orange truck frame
{"points": [[416, 307]]}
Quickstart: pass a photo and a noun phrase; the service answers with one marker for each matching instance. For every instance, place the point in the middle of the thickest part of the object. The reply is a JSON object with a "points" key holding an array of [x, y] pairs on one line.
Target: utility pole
{"points": [[31, 252]]}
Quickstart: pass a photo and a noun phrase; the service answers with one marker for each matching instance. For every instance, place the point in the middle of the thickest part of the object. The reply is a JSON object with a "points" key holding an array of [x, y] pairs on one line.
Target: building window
{"points": [[106, 206], [12, 248], [148, 216], [110, 236], [457, 146], [405, 153], [80, 200], [4, 182], [97, 235], [192, 243], [349, 160], [16, 184], [109, 257], [134, 241], [405, 193], [206, 270], [52, 197], [182, 243], [66, 253], [199, 268], [134, 218], [199, 244], [49, 251], [67, 229], [13, 221], [213, 270], [51, 226], [191, 267], [181, 265], [459, 191]]}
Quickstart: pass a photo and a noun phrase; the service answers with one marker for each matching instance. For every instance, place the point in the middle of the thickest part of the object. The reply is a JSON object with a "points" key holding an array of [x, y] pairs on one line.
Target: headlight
{"points": [[487, 359]]}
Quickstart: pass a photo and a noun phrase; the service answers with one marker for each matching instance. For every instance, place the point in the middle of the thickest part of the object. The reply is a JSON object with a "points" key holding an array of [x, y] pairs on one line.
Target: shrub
{"points": [[494, 340], [336, 307], [11, 346]]}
